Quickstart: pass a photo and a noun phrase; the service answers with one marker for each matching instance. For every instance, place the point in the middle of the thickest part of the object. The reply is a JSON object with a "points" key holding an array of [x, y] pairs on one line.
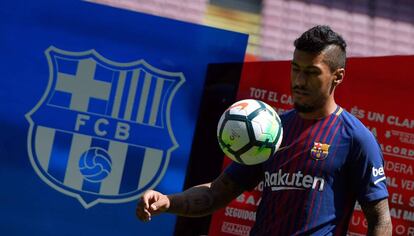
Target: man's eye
{"points": [[312, 72]]}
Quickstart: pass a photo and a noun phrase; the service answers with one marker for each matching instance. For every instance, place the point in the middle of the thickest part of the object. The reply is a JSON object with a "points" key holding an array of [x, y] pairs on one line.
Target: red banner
{"points": [[378, 91]]}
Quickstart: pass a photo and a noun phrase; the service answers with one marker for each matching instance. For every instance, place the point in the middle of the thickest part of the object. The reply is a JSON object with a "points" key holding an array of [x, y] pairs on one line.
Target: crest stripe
{"points": [[91, 186], [138, 94], [110, 105], [125, 94], [150, 99], [167, 85], [144, 97], [73, 177], [59, 155], [110, 185], [131, 94], [132, 169], [43, 149], [152, 162], [98, 142], [118, 94], [156, 101]]}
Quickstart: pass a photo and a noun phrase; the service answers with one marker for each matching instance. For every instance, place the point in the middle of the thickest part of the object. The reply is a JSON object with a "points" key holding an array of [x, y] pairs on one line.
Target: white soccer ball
{"points": [[249, 132]]}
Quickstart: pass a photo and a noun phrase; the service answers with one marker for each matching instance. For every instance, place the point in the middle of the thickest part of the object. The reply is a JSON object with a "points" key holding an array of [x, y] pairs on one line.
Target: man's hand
{"points": [[151, 203], [196, 201]]}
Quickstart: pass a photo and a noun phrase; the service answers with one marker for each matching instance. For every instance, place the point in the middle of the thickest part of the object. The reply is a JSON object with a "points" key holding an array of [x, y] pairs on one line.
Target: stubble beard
{"points": [[303, 108], [308, 108]]}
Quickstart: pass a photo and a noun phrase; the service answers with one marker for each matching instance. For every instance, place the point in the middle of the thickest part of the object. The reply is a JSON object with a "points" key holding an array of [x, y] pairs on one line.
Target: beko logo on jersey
{"points": [[297, 181], [378, 172]]}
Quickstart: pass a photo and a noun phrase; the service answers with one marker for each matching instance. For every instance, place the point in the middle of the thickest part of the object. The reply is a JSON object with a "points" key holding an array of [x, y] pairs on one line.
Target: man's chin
{"points": [[302, 108]]}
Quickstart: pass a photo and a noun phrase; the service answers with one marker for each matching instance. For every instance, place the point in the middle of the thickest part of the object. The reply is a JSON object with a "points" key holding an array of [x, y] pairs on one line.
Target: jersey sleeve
{"points": [[369, 172], [247, 176]]}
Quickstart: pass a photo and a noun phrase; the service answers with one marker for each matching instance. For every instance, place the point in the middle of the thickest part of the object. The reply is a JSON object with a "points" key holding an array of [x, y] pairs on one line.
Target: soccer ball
{"points": [[249, 132]]}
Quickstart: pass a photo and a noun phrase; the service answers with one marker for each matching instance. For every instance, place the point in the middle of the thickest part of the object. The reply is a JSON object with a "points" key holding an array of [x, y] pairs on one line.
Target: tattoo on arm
{"points": [[378, 216], [206, 198]]}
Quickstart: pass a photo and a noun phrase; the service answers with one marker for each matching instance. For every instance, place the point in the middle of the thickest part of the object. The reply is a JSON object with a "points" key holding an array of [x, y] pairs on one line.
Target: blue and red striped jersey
{"points": [[312, 183]]}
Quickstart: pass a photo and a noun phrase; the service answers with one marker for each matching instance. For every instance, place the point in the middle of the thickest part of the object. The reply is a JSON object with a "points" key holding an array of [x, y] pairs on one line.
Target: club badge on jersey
{"points": [[87, 135], [320, 151]]}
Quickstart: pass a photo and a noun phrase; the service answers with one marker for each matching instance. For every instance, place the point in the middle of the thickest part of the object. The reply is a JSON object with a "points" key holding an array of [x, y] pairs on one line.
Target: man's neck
{"points": [[320, 113]]}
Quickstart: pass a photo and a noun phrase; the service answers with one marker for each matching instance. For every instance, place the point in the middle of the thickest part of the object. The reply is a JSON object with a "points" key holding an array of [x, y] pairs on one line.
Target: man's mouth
{"points": [[300, 92]]}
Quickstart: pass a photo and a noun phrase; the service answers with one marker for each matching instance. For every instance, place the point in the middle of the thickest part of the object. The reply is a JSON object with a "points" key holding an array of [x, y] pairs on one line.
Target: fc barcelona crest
{"points": [[101, 132], [319, 151]]}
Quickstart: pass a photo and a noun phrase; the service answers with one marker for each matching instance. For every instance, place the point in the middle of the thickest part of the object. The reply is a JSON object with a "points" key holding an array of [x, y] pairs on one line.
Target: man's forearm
{"points": [[380, 229], [196, 201], [382, 226], [378, 216], [204, 199]]}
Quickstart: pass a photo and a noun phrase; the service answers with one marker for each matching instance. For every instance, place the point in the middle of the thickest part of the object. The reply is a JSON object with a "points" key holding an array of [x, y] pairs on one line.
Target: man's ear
{"points": [[339, 76]]}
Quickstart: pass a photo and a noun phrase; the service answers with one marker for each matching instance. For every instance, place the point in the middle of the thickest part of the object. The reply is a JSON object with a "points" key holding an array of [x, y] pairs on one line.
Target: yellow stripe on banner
{"points": [[235, 20]]}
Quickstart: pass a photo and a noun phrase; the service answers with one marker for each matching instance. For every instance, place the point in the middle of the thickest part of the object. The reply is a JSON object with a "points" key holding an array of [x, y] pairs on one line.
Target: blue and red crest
{"points": [[319, 151], [92, 134]]}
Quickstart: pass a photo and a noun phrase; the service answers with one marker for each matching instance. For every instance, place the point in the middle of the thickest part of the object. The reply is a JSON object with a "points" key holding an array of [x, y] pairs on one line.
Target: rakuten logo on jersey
{"points": [[378, 172], [297, 181]]}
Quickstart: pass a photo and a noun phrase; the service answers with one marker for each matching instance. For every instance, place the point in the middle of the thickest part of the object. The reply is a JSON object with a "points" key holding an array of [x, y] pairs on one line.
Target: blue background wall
{"points": [[28, 205]]}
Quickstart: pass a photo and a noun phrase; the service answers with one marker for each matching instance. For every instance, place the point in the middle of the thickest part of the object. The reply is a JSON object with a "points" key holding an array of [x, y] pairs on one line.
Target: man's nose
{"points": [[300, 79]]}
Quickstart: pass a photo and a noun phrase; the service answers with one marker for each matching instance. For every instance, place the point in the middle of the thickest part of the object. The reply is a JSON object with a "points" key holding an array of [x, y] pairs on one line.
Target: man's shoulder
{"points": [[351, 122], [356, 128]]}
